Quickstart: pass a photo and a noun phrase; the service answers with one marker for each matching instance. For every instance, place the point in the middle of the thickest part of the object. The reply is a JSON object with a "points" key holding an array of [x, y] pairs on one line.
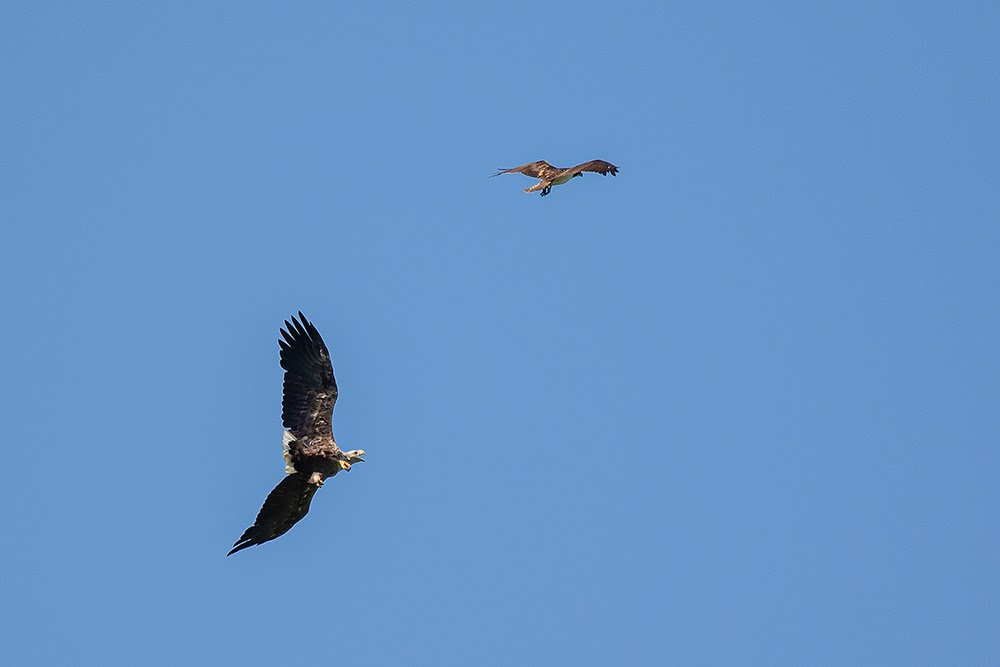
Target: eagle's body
{"points": [[548, 175], [311, 454]]}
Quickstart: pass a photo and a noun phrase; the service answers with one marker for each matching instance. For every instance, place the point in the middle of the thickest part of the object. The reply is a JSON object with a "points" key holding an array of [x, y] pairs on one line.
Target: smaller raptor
{"points": [[549, 175]]}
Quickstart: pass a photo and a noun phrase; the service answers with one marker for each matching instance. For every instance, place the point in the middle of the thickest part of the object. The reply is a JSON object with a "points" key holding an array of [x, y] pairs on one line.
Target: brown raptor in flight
{"points": [[549, 175]]}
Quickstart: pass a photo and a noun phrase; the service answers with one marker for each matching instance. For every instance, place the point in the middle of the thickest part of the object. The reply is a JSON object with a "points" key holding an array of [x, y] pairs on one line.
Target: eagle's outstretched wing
{"points": [[540, 169], [283, 508], [310, 390], [596, 166]]}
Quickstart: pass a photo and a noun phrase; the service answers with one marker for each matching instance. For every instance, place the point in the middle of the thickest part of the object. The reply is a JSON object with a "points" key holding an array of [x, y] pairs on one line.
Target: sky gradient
{"points": [[736, 405]]}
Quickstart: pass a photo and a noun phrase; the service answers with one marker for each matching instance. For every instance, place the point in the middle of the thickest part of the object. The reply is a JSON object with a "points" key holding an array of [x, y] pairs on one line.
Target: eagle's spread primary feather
{"points": [[311, 454]]}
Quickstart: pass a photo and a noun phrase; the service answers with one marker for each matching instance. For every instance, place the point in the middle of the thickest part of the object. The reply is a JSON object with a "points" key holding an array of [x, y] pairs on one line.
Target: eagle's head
{"points": [[347, 459]]}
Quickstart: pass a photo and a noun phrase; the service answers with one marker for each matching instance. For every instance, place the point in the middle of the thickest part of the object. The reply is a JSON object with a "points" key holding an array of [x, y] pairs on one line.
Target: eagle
{"points": [[549, 175], [311, 454]]}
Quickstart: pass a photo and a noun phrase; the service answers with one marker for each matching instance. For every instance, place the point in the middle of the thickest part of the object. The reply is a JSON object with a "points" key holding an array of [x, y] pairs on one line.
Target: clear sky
{"points": [[738, 405]]}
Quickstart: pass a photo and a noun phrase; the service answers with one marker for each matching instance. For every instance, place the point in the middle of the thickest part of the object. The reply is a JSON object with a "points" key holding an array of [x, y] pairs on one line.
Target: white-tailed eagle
{"points": [[311, 454], [549, 175]]}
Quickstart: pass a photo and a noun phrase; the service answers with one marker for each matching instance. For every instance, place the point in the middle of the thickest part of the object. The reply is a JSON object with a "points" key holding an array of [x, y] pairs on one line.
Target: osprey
{"points": [[311, 455], [549, 175]]}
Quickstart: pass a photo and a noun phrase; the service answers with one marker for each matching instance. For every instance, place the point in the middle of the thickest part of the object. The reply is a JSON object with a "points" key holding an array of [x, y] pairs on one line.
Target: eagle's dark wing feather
{"points": [[596, 166], [310, 390], [541, 169], [283, 508]]}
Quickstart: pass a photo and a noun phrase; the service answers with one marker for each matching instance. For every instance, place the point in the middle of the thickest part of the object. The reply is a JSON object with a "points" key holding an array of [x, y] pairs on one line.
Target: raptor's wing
{"points": [[596, 166], [541, 169]]}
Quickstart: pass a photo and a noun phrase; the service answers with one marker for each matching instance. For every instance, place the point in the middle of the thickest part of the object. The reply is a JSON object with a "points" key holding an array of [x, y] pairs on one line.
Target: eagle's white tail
{"points": [[286, 439]]}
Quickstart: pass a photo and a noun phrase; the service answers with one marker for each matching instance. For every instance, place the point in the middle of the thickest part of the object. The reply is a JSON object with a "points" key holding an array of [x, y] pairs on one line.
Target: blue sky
{"points": [[738, 405]]}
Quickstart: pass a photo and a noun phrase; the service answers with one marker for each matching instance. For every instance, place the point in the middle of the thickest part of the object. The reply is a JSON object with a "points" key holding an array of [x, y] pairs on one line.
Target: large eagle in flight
{"points": [[549, 175], [311, 455]]}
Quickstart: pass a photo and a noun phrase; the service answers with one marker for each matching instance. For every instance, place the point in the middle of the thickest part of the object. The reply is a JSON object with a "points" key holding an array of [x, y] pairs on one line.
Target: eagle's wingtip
{"points": [[238, 547]]}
